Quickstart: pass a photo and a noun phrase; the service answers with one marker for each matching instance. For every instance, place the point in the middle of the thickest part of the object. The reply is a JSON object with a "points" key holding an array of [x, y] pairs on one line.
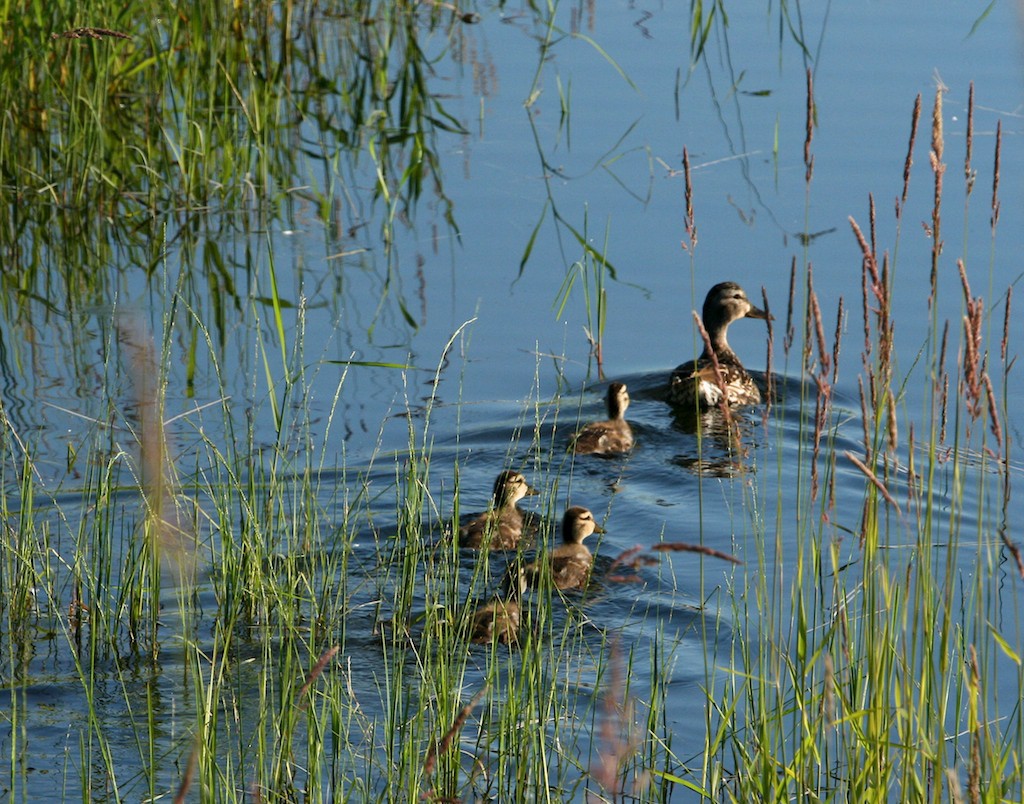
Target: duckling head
{"points": [[577, 524], [510, 487], [618, 400], [515, 582]]}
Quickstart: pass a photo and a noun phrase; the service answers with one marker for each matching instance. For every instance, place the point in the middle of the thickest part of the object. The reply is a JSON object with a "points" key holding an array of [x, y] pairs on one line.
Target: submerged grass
{"points": [[319, 641], [198, 128]]}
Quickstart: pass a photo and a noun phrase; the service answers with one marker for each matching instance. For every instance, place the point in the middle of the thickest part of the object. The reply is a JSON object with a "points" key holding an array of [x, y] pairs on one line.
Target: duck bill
{"points": [[757, 312], [599, 529], [531, 491]]}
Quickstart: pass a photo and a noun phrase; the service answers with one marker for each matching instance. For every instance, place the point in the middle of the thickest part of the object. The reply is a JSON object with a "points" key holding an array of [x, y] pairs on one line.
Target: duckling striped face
{"points": [[510, 488], [726, 302], [578, 524]]}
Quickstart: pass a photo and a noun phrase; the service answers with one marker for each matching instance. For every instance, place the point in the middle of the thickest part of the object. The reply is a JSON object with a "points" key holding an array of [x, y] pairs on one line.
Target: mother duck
{"points": [[694, 384]]}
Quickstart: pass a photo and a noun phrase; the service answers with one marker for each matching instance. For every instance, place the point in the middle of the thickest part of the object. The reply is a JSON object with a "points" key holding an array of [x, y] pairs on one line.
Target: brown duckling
{"points": [[500, 617], [609, 437], [694, 384], [571, 561], [501, 527]]}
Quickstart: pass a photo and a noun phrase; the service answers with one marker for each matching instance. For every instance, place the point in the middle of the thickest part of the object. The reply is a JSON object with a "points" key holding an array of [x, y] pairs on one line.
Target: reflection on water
{"points": [[720, 443], [303, 207]]}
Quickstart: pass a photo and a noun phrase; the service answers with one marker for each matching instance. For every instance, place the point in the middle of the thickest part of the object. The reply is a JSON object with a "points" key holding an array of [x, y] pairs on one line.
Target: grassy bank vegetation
{"points": [[225, 610], [870, 668]]}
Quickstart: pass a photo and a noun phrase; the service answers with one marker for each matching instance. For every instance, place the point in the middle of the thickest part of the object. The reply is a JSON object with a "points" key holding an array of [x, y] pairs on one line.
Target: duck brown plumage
{"points": [[500, 618], [501, 527], [609, 437], [694, 384], [571, 561]]}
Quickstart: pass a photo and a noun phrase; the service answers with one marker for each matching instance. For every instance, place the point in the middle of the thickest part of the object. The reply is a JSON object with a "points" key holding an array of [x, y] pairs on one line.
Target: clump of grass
{"points": [[859, 676], [145, 129], [591, 272], [147, 147]]}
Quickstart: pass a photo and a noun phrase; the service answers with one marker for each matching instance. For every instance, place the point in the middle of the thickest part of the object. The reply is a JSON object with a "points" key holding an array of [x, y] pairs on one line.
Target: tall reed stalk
{"points": [[859, 673]]}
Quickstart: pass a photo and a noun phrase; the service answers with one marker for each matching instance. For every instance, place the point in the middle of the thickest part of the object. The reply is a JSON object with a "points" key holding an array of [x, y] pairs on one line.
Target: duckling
{"points": [[570, 561], [500, 618], [612, 436], [694, 383], [500, 528]]}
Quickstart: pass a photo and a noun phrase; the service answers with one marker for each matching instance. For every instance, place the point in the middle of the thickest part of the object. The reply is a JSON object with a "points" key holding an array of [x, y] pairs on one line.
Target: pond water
{"points": [[573, 132]]}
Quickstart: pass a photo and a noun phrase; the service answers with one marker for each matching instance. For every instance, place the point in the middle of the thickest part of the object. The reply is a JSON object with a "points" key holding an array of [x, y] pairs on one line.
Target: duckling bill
{"points": [[570, 563], [611, 437], [502, 527], [694, 384]]}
